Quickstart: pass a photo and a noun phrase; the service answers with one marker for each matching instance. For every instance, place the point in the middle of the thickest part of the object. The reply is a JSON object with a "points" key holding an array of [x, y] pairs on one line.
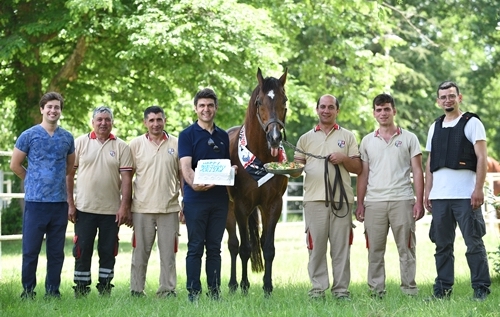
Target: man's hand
{"points": [[72, 213], [124, 217], [360, 213]]}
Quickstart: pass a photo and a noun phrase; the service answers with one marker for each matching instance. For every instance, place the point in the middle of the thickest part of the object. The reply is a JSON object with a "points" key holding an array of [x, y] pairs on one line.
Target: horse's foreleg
{"points": [[233, 245], [245, 252], [245, 256], [268, 247]]}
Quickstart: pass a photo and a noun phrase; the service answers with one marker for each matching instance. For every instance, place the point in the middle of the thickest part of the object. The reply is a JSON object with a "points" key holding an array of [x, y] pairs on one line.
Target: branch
{"points": [[69, 72], [411, 24]]}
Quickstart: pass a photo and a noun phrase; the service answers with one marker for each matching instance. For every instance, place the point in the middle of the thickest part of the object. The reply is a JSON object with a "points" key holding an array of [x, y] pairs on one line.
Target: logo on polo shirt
{"points": [[112, 153], [398, 143], [171, 151], [341, 143]]}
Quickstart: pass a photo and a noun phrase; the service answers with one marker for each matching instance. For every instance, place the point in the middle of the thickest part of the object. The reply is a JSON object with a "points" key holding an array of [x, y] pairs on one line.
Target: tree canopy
{"points": [[130, 54]]}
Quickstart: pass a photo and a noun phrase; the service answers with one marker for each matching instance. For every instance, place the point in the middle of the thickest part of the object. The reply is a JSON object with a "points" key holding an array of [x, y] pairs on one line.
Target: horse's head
{"points": [[270, 103]]}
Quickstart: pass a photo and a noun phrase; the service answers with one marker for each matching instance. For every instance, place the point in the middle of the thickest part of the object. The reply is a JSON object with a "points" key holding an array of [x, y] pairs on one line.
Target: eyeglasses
{"points": [[449, 97], [213, 145]]}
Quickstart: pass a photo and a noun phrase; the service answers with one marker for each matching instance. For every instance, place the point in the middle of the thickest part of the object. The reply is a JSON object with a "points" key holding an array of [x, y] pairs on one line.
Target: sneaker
{"points": [[316, 295], [214, 295], [445, 294], [377, 295], [480, 294], [28, 295], [166, 294], [193, 296], [343, 297], [81, 291], [52, 295], [137, 294]]}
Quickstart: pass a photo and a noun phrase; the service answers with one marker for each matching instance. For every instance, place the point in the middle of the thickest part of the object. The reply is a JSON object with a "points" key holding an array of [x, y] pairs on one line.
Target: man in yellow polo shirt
{"points": [[323, 223], [155, 204], [386, 197], [104, 165]]}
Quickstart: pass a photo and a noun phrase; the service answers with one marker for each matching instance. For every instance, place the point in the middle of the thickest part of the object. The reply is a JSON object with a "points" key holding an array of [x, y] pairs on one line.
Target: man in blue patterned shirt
{"points": [[50, 152]]}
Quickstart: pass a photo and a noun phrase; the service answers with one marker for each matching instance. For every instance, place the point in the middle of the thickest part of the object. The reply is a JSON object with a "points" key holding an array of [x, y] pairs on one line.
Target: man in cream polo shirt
{"points": [[387, 197], [323, 223], [104, 165], [155, 204]]}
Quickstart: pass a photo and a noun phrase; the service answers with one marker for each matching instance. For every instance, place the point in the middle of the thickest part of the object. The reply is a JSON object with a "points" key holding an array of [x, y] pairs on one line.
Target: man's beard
{"points": [[449, 109]]}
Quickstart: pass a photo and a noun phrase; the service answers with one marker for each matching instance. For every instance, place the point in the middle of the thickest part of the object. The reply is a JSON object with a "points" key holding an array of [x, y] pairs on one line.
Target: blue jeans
{"points": [[50, 219], [205, 224], [446, 213]]}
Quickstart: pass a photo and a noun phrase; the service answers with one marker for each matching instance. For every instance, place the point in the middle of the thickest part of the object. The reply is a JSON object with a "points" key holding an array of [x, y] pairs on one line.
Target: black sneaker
{"points": [[480, 294], [28, 295], [52, 295], [214, 295], [193, 296], [444, 294]]}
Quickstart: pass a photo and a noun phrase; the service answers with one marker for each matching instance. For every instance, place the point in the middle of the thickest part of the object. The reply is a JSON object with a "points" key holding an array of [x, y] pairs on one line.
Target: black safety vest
{"points": [[450, 146]]}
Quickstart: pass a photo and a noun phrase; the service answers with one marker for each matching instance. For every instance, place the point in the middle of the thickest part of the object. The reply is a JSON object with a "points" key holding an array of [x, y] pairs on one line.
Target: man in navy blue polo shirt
{"points": [[205, 205]]}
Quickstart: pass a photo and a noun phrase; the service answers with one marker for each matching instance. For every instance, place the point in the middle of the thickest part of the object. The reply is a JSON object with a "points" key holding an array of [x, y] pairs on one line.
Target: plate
{"points": [[283, 171]]}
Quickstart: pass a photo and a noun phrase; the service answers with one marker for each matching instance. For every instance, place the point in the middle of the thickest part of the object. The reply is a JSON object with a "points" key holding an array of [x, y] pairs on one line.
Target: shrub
{"points": [[12, 219]]}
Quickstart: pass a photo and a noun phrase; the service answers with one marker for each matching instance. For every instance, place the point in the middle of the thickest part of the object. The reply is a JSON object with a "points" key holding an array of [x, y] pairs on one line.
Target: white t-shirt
{"points": [[455, 184]]}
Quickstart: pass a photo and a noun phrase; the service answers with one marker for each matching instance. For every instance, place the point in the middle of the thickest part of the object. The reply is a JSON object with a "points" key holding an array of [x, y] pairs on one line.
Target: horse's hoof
{"points": [[267, 291], [233, 288]]}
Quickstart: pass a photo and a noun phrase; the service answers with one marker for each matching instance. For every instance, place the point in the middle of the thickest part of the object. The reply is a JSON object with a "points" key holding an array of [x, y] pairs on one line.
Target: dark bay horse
{"points": [[494, 167], [254, 143]]}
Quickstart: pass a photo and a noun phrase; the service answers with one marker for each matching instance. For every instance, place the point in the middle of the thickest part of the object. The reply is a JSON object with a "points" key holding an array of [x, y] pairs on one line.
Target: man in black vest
{"points": [[455, 175]]}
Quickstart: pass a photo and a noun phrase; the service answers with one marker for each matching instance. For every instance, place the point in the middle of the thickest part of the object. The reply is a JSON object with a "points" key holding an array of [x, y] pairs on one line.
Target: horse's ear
{"points": [[259, 77], [283, 77]]}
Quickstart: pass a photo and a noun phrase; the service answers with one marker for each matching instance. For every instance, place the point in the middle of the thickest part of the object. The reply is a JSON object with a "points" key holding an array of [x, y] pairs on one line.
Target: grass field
{"points": [[289, 276]]}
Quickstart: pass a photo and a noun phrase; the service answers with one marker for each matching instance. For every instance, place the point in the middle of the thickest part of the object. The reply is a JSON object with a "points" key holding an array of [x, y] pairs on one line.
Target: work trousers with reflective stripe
{"points": [[86, 227]]}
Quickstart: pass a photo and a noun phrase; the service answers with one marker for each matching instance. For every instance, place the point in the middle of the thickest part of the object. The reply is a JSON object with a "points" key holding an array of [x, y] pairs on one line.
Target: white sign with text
{"points": [[218, 172]]}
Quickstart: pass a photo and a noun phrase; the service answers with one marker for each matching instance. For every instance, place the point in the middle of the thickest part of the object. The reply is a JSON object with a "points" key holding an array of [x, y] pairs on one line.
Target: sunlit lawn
{"points": [[290, 280]]}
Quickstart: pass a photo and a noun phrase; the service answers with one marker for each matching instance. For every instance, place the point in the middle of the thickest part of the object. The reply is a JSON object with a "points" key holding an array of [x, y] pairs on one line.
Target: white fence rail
{"points": [[6, 196]]}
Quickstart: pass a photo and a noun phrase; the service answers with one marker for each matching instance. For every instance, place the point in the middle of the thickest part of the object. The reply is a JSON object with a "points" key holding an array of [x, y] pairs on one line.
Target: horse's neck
{"points": [[256, 140]]}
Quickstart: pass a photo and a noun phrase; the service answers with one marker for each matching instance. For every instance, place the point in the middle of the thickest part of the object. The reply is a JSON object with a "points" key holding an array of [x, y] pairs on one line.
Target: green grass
{"points": [[289, 276]]}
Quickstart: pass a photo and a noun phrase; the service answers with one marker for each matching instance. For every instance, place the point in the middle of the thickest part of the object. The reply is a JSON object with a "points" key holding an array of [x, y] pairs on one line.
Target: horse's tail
{"points": [[253, 231]]}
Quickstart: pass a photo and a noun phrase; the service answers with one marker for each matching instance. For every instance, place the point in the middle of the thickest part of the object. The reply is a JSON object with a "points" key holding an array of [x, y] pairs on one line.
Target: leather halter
{"points": [[264, 127]]}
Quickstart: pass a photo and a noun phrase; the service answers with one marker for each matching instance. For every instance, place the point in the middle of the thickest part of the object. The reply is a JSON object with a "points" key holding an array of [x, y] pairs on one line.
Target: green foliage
{"points": [[131, 54], [495, 257], [12, 218]]}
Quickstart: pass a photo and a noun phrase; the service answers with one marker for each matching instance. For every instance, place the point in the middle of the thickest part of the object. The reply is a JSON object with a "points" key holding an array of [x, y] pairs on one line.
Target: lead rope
{"points": [[329, 191]]}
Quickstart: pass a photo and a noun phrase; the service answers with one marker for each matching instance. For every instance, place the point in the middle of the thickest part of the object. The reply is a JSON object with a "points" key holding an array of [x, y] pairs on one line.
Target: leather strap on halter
{"points": [[330, 192]]}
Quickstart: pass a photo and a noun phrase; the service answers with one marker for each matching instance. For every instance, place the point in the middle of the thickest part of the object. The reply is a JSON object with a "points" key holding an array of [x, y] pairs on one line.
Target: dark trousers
{"points": [[86, 227], [50, 219], [446, 213], [205, 224]]}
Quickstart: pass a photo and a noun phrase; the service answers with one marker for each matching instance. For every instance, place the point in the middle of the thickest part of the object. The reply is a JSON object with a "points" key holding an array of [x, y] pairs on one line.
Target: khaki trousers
{"points": [[398, 215], [146, 227], [322, 226]]}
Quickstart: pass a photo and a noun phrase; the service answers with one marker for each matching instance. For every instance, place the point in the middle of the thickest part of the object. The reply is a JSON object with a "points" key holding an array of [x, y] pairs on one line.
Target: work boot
{"points": [[81, 291], [104, 289]]}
